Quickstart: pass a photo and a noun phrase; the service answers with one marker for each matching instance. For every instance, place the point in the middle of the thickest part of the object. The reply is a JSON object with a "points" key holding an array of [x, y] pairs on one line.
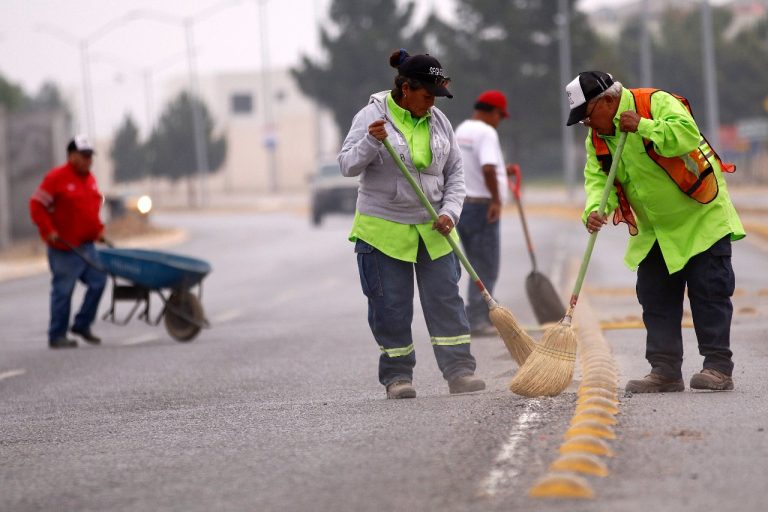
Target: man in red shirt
{"points": [[65, 208]]}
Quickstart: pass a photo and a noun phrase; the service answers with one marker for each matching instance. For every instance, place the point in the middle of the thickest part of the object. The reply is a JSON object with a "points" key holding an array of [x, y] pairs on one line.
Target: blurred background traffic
{"points": [[205, 103]]}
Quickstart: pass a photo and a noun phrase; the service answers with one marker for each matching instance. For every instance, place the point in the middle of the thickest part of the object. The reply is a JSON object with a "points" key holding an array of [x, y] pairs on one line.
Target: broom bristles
{"points": [[518, 342], [549, 368]]}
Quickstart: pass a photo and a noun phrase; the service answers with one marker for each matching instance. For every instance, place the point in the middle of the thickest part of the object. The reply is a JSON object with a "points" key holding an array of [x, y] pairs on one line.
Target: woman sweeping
{"points": [[393, 233]]}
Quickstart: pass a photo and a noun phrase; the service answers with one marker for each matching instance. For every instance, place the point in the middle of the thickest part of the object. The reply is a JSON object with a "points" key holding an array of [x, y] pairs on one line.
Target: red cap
{"points": [[495, 99]]}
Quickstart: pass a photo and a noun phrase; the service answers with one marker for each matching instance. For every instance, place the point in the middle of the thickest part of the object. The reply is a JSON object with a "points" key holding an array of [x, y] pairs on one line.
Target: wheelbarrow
{"points": [[138, 273]]}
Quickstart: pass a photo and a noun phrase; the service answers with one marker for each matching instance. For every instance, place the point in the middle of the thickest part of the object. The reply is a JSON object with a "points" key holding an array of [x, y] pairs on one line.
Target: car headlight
{"points": [[144, 204]]}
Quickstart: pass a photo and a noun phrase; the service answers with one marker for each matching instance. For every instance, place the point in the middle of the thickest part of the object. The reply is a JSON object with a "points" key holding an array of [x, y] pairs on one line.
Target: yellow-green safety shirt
{"points": [[682, 226], [396, 240]]}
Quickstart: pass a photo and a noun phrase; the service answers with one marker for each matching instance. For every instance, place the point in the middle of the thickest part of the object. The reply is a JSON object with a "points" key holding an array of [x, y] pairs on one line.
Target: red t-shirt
{"points": [[68, 203]]}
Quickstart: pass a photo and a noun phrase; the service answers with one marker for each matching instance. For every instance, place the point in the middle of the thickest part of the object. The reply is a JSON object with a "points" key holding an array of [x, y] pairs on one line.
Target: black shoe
{"points": [[62, 342], [87, 335]]}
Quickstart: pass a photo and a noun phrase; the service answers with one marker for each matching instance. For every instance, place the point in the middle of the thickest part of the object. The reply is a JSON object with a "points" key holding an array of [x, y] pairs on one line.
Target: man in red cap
{"points": [[485, 178], [65, 208]]}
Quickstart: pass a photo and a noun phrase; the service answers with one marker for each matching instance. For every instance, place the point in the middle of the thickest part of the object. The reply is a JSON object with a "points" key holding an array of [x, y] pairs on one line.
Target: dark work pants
{"points": [[481, 245], [388, 284], [67, 267], [710, 280]]}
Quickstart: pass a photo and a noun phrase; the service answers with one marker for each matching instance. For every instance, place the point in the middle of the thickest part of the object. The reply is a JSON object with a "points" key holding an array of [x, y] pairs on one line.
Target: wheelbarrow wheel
{"points": [[183, 316]]}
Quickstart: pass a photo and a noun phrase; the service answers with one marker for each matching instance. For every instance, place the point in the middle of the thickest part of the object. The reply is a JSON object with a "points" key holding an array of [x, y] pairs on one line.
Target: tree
{"points": [[12, 96], [172, 143], [357, 63], [128, 155], [513, 46]]}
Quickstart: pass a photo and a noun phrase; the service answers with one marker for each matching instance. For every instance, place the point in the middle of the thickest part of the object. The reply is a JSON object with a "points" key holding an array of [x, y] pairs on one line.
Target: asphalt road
{"points": [[277, 406]]}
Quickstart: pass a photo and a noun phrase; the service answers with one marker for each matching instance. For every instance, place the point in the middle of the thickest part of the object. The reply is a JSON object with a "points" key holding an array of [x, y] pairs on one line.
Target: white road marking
{"points": [[12, 373], [138, 340], [226, 316], [503, 470]]}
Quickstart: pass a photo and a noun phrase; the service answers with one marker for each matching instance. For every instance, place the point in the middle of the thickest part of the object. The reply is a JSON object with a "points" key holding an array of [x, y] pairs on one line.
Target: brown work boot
{"points": [[401, 389], [655, 383], [712, 379], [465, 384]]}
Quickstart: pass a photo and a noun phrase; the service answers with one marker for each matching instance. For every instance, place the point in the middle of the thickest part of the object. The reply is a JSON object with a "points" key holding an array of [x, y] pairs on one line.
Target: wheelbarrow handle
{"points": [[95, 264]]}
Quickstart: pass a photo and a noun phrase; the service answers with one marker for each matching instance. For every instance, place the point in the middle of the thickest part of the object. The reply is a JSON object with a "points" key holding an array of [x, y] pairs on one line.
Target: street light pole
{"points": [[83, 44], [564, 21], [187, 24], [201, 146], [269, 133], [646, 74], [710, 80]]}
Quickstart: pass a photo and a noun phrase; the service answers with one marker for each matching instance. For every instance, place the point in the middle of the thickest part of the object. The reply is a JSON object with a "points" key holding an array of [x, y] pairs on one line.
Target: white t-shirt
{"points": [[479, 143]]}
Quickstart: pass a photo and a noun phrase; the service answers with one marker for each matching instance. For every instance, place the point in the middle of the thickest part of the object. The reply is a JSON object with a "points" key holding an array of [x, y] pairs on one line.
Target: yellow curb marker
{"points": [[591, 424]]}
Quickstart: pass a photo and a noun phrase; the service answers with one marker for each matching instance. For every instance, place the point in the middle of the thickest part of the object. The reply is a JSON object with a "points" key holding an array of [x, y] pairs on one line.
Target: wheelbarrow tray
{"points": [[154, 269]]}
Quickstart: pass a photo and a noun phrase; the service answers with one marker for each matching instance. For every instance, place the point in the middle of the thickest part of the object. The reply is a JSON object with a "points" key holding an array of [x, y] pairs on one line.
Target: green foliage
{"points": [[677, 59], [366, 32], [12, 96], [172, 144], [128, 155]]}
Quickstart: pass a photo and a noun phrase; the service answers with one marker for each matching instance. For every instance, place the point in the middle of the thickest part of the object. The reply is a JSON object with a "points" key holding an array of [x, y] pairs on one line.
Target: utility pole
{"points": [[646, 74], [270, 135], [710, 78], [564, 22], [201, 146]]}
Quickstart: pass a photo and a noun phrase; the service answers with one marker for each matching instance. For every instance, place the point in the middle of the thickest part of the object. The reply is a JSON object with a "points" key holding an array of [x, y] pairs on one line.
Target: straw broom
{"points": [[549, 368], [518, 342]]}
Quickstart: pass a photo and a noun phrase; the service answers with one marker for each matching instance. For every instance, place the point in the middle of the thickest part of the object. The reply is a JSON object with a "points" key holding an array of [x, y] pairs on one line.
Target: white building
{"points": [[264, 156]]}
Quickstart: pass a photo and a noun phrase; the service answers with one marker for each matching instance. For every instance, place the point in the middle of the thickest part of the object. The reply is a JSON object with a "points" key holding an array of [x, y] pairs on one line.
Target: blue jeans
{"points": [[710, 280], [388, 285], [481, 245], [67, 268]]}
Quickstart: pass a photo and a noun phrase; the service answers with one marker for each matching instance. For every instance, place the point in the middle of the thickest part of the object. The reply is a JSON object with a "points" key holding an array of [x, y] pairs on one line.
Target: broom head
{"points": [[549, 368], [518, 342]]}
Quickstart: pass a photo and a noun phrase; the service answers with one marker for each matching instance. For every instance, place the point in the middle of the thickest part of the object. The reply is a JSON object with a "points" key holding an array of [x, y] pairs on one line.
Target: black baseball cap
{"points": [[588, 85], [427, 70]]}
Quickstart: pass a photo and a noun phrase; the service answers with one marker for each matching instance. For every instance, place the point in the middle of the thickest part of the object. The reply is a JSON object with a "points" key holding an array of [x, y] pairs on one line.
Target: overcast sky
{"points": [[228, 39]]}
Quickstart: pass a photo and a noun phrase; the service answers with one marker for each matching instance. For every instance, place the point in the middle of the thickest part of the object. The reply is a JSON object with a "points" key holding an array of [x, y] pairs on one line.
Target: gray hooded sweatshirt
{"points": [[384, 192]]}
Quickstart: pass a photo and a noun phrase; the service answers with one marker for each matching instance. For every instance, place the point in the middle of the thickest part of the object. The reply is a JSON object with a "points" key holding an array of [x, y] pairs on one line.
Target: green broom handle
{"points": [[593, 236], [456, 249]]}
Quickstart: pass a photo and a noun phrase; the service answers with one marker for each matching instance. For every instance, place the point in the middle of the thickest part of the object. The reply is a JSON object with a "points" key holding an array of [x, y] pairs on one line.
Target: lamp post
{"points": [[270, 137], [710, 80], [187, 24], [564, 22], [83, 44]]}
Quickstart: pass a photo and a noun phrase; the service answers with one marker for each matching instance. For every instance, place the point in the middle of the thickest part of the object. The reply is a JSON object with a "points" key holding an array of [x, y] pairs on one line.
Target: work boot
{"points": [[87, 335], [655, 383], [401, 389], [465, 384], [62, 342], [712, 379]]}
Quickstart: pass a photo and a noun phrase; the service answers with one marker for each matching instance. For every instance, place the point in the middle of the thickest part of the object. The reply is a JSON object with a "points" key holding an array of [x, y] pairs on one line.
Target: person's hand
{"points": [[595, 221], [494, 212], [53, 237], [377, 131], [628, 121], [443, 225]]}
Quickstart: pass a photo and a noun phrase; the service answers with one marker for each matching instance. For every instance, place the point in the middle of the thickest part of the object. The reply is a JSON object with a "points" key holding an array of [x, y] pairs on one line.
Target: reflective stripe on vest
{"points": [[692, 173]]}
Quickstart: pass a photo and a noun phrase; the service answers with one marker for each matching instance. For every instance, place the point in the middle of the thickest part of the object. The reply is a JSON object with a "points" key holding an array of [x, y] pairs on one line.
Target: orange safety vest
{"points": [[692, 173]]}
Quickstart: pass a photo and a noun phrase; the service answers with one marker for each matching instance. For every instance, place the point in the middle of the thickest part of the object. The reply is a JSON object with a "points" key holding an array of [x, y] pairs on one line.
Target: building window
{"points": [[242, 103]]}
